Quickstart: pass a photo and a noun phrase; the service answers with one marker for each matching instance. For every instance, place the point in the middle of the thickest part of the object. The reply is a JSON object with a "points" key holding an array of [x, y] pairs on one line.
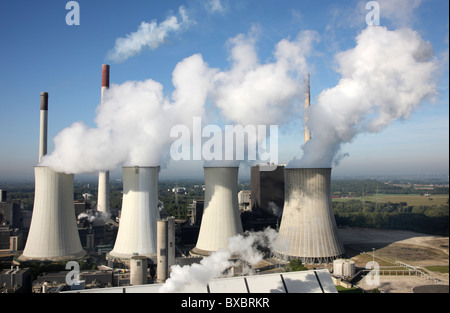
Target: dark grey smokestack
{"points": [[43, 125]]}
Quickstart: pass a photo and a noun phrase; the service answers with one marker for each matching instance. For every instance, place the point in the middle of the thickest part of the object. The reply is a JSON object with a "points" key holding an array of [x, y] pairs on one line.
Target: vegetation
{"points": [[295, 266]]}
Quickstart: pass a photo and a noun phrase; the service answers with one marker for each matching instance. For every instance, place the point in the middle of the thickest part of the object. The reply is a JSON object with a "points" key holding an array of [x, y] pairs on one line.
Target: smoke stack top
{"points": [[44, 101], [105, 75]]}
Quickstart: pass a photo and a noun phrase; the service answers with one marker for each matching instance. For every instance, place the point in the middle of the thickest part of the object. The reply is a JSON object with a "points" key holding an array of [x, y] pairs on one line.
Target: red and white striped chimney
{"points": [[43, 125], [103, 177]]}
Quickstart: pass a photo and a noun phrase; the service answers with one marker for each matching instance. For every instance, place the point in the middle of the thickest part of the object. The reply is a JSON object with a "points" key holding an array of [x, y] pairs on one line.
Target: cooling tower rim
{"points": [[146, 166], [308, 168], [221, 166]]}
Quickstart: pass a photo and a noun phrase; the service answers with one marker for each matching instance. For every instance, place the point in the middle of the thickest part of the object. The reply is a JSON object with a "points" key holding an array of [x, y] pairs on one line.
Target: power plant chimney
{"points": [[53, 234], [43, 126], [221, 219], [137, 226], [308, 229], [307, 105], [103, 204]]}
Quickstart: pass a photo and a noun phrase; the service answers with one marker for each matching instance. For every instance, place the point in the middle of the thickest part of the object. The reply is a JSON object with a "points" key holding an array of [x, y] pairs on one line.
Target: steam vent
{"points": [[221, 219], [137, 226], [308, 229], [53, 232]]}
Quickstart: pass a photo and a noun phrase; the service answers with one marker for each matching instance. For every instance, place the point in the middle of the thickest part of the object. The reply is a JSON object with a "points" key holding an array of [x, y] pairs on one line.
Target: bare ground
{"points": [[412, 248]]}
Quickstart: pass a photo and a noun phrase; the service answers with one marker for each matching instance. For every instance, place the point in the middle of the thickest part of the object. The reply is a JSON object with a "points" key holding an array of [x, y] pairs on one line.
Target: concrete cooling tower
{"points": [[137, 226], [308, 229], [53, 234], [221, 219]]}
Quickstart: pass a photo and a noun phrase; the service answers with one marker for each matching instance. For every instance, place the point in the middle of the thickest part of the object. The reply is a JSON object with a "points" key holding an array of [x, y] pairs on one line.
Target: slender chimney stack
{"points": [[43, 125], [307, 105], [103, 204]]}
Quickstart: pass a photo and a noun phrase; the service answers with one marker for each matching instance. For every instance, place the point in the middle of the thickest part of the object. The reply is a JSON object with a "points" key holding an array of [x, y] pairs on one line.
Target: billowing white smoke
{"points": [[133, 123], [263, 94], [384, 78], [245, 247], [135, 118], [149, 35]]}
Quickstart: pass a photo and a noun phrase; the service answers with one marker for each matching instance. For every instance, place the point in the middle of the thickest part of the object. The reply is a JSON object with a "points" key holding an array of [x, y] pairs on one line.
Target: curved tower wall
{"points": [[221, 218], [137, 226], [308, 229], [53, 234]]}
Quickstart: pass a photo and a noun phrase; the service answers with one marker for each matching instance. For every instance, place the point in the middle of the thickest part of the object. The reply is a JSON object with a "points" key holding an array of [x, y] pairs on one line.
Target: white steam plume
{"points": [[384, 78], [133, 123], [149, 35], [245, 247], [263, 94]]}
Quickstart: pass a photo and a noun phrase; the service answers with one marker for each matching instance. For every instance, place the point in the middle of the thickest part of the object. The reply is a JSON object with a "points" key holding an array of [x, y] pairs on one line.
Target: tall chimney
{"points": [[103, 204], [43, 126], [307, 105], [221, 218]]}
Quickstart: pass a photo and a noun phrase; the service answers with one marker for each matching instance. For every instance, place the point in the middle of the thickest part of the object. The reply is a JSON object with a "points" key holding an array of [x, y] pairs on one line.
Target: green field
{"points": [[410, 199]]}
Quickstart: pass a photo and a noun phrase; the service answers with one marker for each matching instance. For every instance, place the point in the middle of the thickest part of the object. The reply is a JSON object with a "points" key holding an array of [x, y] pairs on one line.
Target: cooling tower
{"points": [[103, 204], [43, 125], [308, 229], [221, 219], [53, 234], [137, 226]]}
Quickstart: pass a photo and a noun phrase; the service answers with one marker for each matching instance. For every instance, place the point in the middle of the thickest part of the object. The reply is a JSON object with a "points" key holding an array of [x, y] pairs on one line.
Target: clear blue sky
{"points": [[40, 52]]}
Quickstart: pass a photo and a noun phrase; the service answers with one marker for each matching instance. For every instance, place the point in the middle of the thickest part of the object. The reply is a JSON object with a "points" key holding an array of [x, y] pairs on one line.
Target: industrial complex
{"points": [[138, 248]]}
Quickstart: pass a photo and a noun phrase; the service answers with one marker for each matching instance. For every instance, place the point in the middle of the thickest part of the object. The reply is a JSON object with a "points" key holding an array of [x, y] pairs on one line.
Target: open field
{"points": [[410, 199]]}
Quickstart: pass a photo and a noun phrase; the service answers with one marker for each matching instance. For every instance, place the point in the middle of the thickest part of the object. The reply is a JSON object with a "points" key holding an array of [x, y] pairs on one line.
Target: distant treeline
{"points": [[371, 187], [432, 220]]}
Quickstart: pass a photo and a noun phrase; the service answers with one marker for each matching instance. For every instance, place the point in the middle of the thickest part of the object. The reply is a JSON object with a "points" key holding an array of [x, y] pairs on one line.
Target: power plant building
{"points": [[267, 189]]}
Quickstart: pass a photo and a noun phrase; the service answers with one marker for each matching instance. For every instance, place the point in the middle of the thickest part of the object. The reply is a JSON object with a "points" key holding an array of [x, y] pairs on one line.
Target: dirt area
{"points": [[412, 248]]}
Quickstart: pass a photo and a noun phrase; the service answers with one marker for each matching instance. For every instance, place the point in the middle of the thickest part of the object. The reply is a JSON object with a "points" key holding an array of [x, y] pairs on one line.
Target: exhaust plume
{"points": [[384, 78], [245, 247], [149, 35]]}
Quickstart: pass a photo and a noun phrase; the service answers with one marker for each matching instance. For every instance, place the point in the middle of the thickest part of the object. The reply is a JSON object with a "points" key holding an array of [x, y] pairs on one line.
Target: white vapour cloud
{"points": [[133, 123], [245, 247], [214, 6], [384, 78], [263, 94], [149, 35]]}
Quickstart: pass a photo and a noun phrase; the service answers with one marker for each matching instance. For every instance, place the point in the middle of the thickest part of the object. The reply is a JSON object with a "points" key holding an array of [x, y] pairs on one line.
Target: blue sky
{"points": [[40, 52]]}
